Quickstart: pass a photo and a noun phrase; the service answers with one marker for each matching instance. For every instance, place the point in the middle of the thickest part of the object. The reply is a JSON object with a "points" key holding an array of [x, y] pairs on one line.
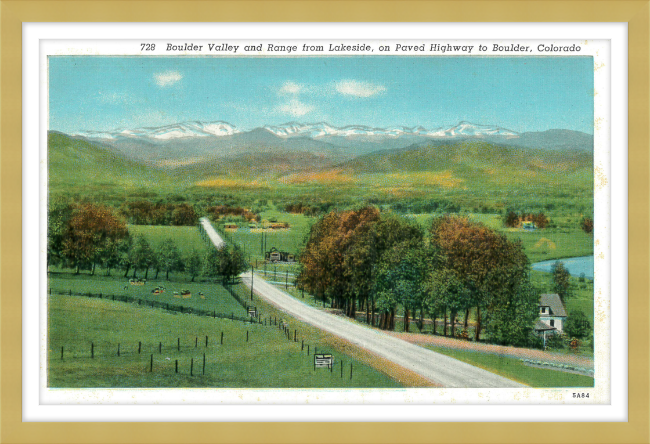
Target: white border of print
{"points": [[36, 404]]}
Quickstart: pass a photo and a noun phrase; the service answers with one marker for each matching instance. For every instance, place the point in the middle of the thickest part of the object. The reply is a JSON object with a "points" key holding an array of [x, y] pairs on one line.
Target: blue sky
{"points": [[521, 94]]}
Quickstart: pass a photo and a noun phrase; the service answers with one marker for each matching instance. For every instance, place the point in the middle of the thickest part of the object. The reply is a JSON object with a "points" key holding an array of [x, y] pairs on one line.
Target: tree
{"points": [[577, 325], [587, 225], [512, 322], [169, 257], [400, 280], [511, 219], [447, 293], [184, 214], [141, 256], [226, 262], [193, 264], [87, 232], [58, 216], [561, 281], [489, 265]]}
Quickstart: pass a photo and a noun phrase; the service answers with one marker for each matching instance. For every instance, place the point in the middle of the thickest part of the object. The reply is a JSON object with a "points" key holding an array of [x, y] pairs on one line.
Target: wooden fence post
{"points": [[221, 338], [160, 347], [139, 346], [206, 341], [192, 367], [204, 363], [302, 345], [177, 366], [350, 371], [118, 349], [246, 335], [151, 365], [307, 349], [196, 342], [92, 350], [179, 344]]}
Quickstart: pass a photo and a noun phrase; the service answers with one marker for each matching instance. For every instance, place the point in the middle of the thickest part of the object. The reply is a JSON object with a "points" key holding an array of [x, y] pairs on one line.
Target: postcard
{"points": [[325, 221]]}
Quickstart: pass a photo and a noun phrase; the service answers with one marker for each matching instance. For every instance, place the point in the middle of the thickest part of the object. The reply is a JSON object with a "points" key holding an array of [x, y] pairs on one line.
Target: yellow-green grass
{"points": [[267, 360], [186, 239], [216, 299], [516, 370]]}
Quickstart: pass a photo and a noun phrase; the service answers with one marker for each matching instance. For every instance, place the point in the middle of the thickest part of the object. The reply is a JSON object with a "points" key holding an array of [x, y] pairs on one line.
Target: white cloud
{"points": [[292, 88], [295, 108], [167, 78], [358, 89]]}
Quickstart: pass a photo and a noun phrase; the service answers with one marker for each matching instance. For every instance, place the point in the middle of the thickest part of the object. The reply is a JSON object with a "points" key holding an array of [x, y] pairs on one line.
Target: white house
{"points": [[551, 314]]}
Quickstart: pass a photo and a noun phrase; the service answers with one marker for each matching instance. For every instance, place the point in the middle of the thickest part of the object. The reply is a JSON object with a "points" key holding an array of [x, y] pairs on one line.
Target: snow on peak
{"points": [[168, 132], [470, 129]]}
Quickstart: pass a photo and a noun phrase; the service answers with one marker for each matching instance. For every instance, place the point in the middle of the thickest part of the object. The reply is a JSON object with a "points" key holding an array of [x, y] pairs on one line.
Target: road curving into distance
{"points": [[441, 369]]}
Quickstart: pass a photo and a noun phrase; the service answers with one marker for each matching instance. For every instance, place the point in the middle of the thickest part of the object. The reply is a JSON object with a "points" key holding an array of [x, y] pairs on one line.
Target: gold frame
{"points": [[13, 13]]}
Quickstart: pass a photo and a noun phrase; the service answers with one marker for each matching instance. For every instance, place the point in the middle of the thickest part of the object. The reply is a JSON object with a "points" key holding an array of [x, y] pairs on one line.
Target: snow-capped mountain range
{"points": [[294, 129], [204, 140]]}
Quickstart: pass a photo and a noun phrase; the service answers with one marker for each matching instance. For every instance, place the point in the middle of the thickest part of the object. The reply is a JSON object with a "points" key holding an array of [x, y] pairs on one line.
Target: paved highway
{"points": [[438, 368]]}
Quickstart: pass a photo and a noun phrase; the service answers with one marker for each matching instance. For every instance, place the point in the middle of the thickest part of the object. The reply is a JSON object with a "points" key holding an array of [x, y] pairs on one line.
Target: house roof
{"points": [[553, 301], [540, 326]]}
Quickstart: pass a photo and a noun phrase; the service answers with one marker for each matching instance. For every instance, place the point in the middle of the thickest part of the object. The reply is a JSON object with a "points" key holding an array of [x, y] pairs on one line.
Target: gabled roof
{"points": [[553, 301], [540, 326]]}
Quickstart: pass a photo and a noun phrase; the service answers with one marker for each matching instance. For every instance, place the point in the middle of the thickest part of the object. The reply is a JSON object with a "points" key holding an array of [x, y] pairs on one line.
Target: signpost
{"points": [[323, 361], [252, 312]]}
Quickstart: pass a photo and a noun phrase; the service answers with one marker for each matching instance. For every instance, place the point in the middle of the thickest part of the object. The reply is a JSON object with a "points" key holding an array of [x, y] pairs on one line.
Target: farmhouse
{"points": [[275, 255], [551, 314]]}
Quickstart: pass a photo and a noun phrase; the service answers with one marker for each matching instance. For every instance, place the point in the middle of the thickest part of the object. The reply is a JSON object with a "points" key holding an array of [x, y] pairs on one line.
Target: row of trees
{"points": [[143, 212], [84, 236], [383, 262]]}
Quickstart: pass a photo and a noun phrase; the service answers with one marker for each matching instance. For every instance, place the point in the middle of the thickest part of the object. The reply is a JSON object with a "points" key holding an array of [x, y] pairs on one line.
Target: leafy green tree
{"points": [[446, 293], [58, 216], [226, 262], [141, 256], [193, 264], [561, 281], [400, 280], [169, 257], [512, 322], [577, 325]]}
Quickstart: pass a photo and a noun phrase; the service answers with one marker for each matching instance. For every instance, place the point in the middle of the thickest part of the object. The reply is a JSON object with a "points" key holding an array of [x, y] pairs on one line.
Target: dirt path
{"points": [[515, 352]]}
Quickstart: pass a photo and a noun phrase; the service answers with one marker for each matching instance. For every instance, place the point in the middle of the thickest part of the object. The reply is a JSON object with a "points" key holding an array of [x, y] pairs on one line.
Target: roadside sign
{"points": [[323, 361], [252, 312]]}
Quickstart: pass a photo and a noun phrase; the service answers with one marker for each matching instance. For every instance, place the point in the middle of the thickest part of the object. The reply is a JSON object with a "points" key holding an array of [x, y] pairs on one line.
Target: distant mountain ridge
{"points": [[204, 141]]}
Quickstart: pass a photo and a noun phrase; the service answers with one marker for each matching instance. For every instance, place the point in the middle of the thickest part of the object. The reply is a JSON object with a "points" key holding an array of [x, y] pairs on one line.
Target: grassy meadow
{"points": [[267, 360], [516, 370], [215, 297]]}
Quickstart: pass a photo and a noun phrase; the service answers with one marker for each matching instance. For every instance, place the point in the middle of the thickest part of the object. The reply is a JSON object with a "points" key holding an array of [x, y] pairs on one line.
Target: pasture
{"points": [[216, 297], [267, 360], [185, 238]]}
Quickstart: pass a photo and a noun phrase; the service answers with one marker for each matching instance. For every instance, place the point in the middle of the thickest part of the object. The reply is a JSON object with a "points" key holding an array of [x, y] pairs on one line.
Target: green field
{"points": [[186, 239], [216, 297], [267, 360], [516, 370]]}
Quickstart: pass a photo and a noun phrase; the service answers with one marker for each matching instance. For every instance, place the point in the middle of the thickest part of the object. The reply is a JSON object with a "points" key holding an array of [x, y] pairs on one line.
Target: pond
{"points": [[575, 266]]}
